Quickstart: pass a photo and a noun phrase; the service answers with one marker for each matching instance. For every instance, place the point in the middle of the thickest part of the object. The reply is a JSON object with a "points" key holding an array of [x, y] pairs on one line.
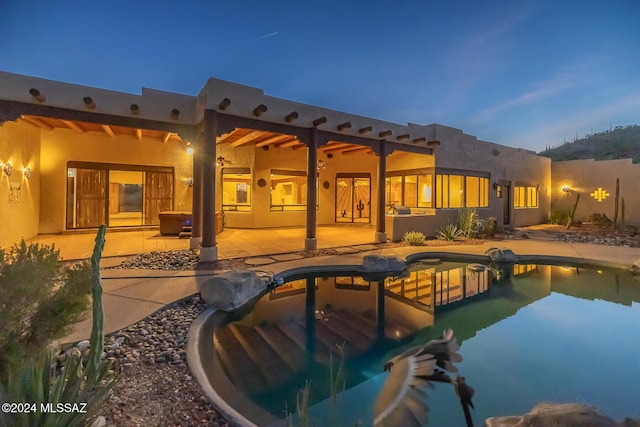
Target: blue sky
{"points": [[519, 73]]}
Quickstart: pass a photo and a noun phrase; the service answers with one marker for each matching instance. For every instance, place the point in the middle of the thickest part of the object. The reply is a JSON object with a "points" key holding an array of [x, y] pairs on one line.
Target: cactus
{"points": [[573, 211], [615, 209], [97, 331], [622, 211]]}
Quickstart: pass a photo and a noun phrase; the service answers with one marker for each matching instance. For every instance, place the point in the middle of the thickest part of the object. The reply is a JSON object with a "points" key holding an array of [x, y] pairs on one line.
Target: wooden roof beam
{"points": [[139, 134], [247, 138], [74, 126], [37, 122], [355, 150], [288, 144], [274, 139], [342, 147], [107, 129], [165, 137]]}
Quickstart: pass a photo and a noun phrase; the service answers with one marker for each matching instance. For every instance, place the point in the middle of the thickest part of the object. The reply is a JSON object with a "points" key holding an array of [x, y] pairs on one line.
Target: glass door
{"points": [[353, 198], [125, 198]]}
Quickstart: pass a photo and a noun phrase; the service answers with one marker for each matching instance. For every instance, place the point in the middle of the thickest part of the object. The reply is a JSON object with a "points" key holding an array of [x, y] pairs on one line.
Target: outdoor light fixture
{"points": [[565, 189], [220, 161], [7, 169], [320, 165], [26, 172], [189, 182], [190, 151]]}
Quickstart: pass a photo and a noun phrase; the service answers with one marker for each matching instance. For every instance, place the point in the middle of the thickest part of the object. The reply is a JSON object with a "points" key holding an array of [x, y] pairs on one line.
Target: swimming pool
{"points": [[527, 334]]}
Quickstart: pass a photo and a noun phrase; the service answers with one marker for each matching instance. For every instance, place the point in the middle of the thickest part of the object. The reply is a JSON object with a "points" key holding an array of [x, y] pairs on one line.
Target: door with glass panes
{"points": [[353, 198]]}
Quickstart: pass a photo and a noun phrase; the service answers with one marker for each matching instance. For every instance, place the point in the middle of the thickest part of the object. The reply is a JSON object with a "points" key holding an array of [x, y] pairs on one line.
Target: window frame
{"points": [[238, 207]]}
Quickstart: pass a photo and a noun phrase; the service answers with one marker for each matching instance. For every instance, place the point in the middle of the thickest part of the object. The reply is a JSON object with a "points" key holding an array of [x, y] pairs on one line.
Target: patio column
{"points": [[311, 242], [208, 250], [381, 235], [196, 210]]}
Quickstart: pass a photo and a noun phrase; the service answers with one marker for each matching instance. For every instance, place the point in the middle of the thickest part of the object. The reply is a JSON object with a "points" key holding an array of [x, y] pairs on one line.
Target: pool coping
{"points": [[200, 336]]}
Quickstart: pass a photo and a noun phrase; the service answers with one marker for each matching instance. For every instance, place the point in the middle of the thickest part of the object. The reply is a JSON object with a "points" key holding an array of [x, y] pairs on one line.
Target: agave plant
{"points": [[449, 232]]}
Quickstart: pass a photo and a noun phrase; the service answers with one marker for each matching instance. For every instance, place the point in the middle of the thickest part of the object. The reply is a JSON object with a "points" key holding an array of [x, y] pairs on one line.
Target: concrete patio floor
{"points": [[131, 295], [232, 242]]}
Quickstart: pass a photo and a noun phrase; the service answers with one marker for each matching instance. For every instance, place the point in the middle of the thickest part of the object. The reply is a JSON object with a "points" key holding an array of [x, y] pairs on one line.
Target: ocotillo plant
{"points": [[573, 211], [615, 209]]}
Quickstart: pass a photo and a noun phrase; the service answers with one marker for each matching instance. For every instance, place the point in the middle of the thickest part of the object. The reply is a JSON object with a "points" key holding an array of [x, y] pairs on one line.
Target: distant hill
{"points": [[622, 142]]}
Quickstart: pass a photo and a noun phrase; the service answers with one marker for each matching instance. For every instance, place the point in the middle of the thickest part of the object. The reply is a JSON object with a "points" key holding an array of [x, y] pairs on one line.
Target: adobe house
{"points": [[74, 157]]}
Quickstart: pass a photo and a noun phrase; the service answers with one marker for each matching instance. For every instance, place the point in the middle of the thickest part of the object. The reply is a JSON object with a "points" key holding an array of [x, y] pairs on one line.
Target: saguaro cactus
{"points": [[615, 209], [622, 211]]}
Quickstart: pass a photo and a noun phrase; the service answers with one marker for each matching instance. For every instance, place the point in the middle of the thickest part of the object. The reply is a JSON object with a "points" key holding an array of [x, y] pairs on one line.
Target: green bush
{"points": [[470, 222], [82, 388], [559, 216], [413, 238], [40, 300], [449, 232], [490, 227]]}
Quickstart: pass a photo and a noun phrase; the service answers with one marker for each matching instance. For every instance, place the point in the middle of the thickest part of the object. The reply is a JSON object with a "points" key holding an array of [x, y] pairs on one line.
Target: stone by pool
{"points": [[528, 333]]}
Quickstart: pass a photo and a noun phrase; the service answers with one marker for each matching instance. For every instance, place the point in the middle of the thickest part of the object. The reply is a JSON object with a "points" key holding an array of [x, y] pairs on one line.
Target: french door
{"points": [[353, 198]]}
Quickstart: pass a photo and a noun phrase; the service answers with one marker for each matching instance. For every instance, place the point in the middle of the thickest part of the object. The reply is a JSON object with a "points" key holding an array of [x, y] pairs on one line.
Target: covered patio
{"points": [[232, 243]]}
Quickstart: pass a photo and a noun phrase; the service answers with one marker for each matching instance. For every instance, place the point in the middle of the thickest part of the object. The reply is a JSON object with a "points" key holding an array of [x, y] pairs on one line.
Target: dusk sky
{"points": [[520, 73]]}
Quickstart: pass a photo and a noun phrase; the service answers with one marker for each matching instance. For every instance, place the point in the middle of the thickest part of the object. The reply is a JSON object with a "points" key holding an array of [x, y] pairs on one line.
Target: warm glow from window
{"points": [[236, 191], [525, 197], [289, 192]]}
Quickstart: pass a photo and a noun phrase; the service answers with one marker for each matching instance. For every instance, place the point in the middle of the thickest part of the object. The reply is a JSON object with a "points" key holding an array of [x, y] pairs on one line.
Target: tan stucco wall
{"points": [[261, 162], [20, 146], [60, 146], [519, 166], [586, 176]]}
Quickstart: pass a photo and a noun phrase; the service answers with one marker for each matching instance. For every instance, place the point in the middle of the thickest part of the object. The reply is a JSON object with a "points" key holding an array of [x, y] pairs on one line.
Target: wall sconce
{"points": [[320, 165], [26, 173], [7, 169], [220, 161], [189, 182], [190, 151], [566, 189]]}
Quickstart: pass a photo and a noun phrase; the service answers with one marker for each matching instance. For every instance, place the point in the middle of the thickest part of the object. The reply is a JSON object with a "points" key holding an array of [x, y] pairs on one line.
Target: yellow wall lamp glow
{"points": [[7, 170]]}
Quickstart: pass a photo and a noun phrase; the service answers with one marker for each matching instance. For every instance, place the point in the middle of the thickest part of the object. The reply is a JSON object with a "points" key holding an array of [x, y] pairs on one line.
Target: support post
{"points": [[381, 235], [196, 210], [208, 250], [311, 242]]}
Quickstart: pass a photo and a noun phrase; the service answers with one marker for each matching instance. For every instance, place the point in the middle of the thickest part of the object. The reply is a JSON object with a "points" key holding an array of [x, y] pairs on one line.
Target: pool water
{"points": [[534, 333]]}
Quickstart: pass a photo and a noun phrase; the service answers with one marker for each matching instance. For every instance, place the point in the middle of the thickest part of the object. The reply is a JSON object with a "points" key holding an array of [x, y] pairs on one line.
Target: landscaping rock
{"points": [[559, 415], [231, 290], [503, 255], [381, 264]]}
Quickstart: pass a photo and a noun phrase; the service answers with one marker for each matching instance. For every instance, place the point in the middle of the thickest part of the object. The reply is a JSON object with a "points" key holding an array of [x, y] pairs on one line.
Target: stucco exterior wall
{"points": [[61, 146], [20, 146], [515, 165], [586, 176]]}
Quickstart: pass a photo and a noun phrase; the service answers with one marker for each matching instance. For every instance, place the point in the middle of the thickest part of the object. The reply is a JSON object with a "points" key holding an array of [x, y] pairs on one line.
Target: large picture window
{"points": [[525, 197], [288, 190], [410, 189], [236, 189], [458, 191]]}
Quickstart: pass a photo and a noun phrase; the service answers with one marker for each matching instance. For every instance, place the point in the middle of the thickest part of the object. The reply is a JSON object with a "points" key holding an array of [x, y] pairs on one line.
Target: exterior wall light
{"points": [[320, 165], [189, 182], [26, 172], [190, 151], [566, 189], [7, 169]]}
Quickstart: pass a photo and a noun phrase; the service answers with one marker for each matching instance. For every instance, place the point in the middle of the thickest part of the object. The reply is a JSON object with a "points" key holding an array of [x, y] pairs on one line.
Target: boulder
{"points": [[502, 255], [231, 290], [382, 264], [635, 267], [559, 415]]}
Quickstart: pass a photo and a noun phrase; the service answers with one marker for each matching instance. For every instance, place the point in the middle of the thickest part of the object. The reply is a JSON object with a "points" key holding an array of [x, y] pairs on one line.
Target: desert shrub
{"points": [[470, 222], [490, 227], [449, 232], [39, 300], [81, 386], [413, 238], [559, 216]]}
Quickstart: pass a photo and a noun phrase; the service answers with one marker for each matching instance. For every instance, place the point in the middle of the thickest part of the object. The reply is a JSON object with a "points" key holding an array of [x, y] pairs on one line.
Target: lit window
{"points": [[425, 191], [236, 189], [393, 190], [525, 197], [477, 192], [288, 190], [412, 190], [449, 191]]}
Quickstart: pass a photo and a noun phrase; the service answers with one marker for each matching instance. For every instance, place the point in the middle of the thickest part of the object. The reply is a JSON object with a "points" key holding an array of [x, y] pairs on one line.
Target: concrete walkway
{"points": [[131, 295]]}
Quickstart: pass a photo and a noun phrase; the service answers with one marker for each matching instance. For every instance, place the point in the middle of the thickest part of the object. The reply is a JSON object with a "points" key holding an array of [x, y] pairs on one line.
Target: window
{"points": [[288, 190], [236, 189], [458, 191], [525, 197], [477, 192], [412, 190]]}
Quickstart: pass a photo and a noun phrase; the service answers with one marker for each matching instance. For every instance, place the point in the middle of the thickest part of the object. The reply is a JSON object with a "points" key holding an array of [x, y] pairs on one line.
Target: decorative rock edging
{"points": [[625, 241]]}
